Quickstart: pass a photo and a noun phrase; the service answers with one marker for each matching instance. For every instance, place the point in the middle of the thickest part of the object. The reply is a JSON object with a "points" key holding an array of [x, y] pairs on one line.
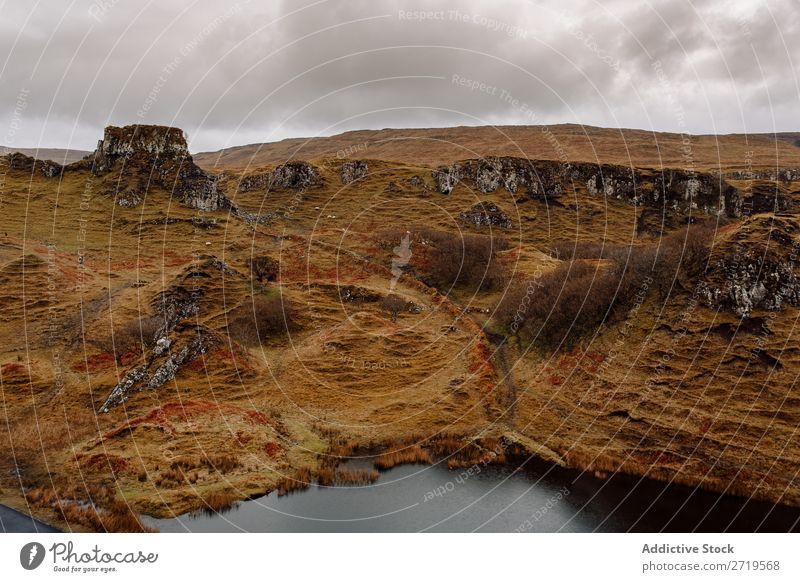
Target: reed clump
{"points": [[410, 455], [301, 481], [219, 501]]}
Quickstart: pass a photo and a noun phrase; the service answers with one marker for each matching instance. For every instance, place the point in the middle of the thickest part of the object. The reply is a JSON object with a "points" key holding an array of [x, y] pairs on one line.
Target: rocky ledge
{"points": [[674, 189], [294, 175], [755, 269]]}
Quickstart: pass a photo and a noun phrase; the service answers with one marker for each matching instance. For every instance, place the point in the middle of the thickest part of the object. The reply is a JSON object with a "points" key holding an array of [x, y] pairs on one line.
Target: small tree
{"points": [[264, 268], [393, 304]]}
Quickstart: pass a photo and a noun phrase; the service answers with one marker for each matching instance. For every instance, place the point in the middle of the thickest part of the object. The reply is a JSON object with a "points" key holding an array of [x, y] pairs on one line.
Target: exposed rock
{"points": [[446, 178], [418, 182], [757, 269], [674, 189], [162, 365], [355, 170], [392, 187], [46, 168], [355, 294], [765, 197], [177, 341], [141, 154], [486, 214], [295, 175], [774, 175]]}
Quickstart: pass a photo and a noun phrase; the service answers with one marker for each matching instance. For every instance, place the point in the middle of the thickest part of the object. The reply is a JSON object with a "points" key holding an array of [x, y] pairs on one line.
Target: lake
{"points": [[537, 498]]}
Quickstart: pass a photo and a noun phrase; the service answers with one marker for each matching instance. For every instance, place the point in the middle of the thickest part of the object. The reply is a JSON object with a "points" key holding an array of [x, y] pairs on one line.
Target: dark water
{"points": [[490, 499]]}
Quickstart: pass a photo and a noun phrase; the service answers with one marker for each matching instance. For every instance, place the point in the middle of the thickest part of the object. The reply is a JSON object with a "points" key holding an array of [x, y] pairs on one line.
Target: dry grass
{"points": [[394, 385], [221, 463], [577, 142], [301, 481], [96, 509], [220, 501], [263, 318], [413, 454]]}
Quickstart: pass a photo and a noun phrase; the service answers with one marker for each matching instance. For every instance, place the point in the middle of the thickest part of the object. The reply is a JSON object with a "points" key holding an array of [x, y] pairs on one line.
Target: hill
{"points": [[175, 338], [575, 143], [62, 156]]}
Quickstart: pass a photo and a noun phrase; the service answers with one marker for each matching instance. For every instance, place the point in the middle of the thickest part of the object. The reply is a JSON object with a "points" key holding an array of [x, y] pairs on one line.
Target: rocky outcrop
{"points": [[136, 156], [676, 190], [170, 354], [761, 196], [446, 178], [21, 162], [355, 170], [295, 175], [179, 339], [774, 175], [756, 270], [486, 214]]}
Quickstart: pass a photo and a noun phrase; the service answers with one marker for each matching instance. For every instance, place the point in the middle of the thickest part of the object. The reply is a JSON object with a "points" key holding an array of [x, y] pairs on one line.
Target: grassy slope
{"points": [[349, 374], [432, 147]]}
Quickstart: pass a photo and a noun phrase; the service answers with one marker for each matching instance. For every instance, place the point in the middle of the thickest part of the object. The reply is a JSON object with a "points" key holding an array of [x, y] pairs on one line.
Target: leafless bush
{"points": [[132, 337], [394, 304], [572, 301], [465, 261], [262, 318], [264, 268]]}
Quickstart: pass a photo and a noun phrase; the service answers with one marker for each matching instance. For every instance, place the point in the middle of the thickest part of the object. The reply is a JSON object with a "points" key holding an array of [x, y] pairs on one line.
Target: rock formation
{"points": [[676, 190], [46, 168], [486, 214], [179, 339], [136, 156], [755, 270], [355, 170], [294, 175]]}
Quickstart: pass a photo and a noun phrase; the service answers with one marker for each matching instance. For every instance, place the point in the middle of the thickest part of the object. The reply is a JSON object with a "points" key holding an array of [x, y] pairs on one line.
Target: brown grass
{"points": [[572, 301], [410, 455], [93, 508], [301, 481], [221, 463], [220, 501], [264, 317]]}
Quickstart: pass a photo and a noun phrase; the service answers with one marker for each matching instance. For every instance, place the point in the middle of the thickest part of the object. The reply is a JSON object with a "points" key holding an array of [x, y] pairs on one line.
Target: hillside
{"points": [[574, 143], [175, 338], [62, 156]]}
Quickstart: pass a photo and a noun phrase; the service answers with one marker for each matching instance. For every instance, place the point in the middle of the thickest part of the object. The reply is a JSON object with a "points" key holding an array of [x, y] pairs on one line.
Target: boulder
{"points": [[355, 170], [486, 214]]}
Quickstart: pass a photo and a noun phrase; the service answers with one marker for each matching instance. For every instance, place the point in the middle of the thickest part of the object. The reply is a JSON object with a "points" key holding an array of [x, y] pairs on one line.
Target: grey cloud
{"points": [[216, 69]]}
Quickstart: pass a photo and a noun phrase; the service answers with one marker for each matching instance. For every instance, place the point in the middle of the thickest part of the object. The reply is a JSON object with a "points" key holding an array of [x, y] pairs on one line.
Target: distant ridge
{"points": [[62, 156], [567, 142]]}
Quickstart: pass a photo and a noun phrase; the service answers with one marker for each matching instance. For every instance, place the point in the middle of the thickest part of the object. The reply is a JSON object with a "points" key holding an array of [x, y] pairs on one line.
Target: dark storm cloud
{"points": [[232, 73]]}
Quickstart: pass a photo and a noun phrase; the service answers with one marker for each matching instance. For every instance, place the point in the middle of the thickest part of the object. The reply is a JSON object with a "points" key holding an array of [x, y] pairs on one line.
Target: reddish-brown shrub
{"points": [[465, 261], [264, 317], [572, 301]]}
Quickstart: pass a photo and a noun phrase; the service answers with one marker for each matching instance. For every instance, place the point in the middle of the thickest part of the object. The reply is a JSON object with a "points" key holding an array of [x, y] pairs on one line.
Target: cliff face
{"points": [[755, 269], [294, 175], [674, 189], [137, 155]]}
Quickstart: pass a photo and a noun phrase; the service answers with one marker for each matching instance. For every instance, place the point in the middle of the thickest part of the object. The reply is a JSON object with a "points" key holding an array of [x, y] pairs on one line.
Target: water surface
{"points": [[536, 498]]}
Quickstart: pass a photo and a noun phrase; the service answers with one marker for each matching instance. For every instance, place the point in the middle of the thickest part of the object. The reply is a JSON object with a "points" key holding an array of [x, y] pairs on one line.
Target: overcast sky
{"points": [[253, 71]]}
